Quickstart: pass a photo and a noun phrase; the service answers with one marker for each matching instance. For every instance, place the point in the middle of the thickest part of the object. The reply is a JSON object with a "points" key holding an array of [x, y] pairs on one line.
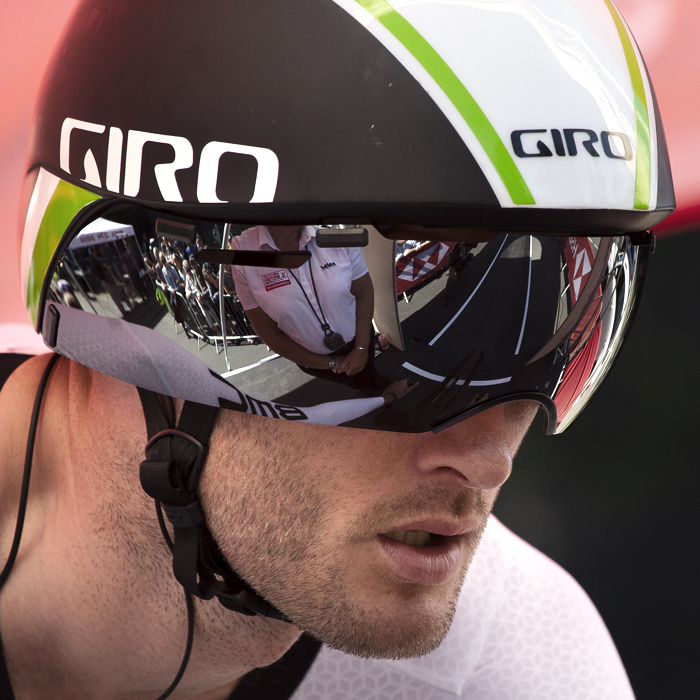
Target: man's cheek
{"points": [[518, 416]]}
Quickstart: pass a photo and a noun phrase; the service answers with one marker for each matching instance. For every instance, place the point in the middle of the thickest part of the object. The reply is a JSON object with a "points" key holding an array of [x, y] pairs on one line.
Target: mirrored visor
{"points": [[340, 325]]}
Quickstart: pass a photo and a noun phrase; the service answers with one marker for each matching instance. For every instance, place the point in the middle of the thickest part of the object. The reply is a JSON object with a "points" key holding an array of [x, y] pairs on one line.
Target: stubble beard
{"points": [[342, 623], [425, 616], [275, 536]]}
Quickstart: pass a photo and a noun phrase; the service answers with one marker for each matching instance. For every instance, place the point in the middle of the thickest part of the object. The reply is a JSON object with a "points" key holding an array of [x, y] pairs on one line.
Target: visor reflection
{"points": [[468, 324]]}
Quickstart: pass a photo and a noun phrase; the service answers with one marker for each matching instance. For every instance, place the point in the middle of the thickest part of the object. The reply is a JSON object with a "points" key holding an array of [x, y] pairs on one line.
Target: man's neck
{"points": [[91, 608], [285, 237]]}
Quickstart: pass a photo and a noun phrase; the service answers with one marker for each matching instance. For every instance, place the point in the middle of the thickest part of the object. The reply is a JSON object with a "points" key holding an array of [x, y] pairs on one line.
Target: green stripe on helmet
{"points": [[66, 201], [457, 93], [642, 198]]}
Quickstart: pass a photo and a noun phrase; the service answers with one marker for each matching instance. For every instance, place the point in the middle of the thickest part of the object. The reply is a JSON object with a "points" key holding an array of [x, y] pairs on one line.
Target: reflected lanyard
{"points": [[325, 326]]}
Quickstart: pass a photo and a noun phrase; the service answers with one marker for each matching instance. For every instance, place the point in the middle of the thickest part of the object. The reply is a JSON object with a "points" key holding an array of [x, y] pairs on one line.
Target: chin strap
{"points": [[170, 475]]}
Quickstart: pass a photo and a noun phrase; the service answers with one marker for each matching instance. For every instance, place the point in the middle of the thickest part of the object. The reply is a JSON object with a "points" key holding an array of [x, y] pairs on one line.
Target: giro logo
{"points": [[208, 167], [615, 144]]}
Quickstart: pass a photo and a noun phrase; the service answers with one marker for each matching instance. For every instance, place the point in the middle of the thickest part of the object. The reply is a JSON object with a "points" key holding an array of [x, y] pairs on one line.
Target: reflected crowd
{"points": [[118, 277]]}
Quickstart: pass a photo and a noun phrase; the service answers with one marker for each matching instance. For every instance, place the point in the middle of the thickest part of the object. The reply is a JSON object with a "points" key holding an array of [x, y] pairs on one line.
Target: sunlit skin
{"points": [[347, 491], [298, 509]]}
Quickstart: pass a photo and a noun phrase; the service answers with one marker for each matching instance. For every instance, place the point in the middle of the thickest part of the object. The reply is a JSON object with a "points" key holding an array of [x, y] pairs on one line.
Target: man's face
{"points": [[310, 515]]}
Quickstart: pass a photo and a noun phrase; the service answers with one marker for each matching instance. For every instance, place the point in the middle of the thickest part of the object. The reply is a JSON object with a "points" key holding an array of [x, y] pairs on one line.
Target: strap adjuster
{"points": [[184, 516], [198, 461], [644, 238]]}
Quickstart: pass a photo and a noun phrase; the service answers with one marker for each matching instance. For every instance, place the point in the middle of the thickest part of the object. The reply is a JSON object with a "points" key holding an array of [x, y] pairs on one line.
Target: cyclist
{"points": [[283, 504]]}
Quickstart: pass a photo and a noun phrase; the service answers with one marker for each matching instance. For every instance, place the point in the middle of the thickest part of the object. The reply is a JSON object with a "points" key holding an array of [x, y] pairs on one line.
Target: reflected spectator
{"points": [[150, 269], [196, 294], [172, 277], [192, 249], [167, 250], [211, 280], [177, 262], [460, 255], [67, 295], [318, 316], [411, 247], [148, 264], [174, 284], [159, 275]]}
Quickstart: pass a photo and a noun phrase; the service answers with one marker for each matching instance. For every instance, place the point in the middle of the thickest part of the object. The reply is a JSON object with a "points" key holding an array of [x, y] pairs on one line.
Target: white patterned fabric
{"points": [[524, 630]]}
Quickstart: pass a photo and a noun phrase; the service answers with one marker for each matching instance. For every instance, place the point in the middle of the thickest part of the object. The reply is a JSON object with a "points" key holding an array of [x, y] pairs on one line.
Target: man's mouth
{"points": [[415, 538], [421, 556]]}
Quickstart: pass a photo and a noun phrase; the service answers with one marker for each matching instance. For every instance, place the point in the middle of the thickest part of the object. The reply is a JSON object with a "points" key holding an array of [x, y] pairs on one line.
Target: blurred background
{"points": [[613, 500]]}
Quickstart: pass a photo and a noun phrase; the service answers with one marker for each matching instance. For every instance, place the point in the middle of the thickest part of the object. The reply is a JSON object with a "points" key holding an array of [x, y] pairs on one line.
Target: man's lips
{"points": [[436, 527], [412, 557]]}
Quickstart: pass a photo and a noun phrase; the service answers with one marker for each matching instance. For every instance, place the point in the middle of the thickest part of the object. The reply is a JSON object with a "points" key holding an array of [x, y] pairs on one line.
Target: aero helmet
{"points": [[494, 166]]}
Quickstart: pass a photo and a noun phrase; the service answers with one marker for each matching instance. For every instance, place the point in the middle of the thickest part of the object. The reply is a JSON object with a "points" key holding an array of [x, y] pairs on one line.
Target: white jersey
{"points": [[524, 630]]}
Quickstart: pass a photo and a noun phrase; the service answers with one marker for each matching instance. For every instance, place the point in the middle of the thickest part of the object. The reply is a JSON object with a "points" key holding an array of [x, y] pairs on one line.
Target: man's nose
{"points": [[476, 448]]}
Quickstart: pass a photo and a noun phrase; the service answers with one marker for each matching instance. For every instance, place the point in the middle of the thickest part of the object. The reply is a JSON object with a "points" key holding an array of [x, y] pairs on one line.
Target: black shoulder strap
{"points": [[6, 692], [9, 362], [279, 680], [170, 475]]}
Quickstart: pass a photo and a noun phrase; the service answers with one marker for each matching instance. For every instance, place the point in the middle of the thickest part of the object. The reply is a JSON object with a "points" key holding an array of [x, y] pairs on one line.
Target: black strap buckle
{"points": [[199, 459], [644, 238], [184, 516], [247, 602]]}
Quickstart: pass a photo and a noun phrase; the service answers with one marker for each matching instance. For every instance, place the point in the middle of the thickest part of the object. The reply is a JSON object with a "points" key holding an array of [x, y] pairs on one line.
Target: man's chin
{"points": [[379, 634]]}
